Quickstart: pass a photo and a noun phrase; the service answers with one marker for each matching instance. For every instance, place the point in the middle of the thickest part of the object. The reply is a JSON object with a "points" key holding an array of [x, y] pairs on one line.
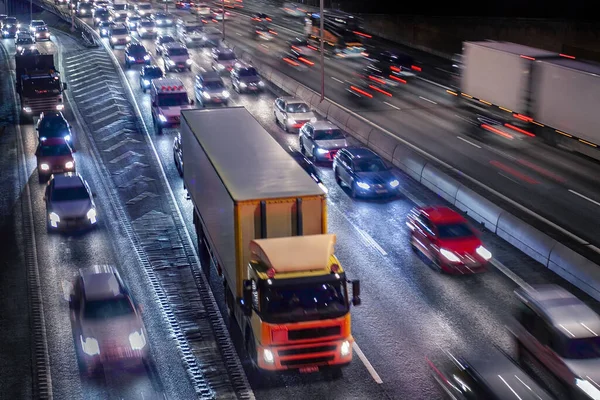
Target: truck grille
{"points": [[39, 105], [313, 333], [306, 350], [307, 361]]}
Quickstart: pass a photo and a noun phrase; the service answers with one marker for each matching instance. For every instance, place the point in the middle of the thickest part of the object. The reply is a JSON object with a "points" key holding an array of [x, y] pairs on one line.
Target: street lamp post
{"points": [[321, 22], [30, 11], [223, 11]]}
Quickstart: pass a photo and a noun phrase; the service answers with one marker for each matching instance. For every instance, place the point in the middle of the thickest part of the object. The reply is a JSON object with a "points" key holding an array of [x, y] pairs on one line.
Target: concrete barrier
{"points": [[526, 238], [359, 129], [382, 144], [440, 183], [322, 107], [302, 92], [290, 86], [338, 115], [576, 269], [409, 162], [478, 207], [277, 79]]}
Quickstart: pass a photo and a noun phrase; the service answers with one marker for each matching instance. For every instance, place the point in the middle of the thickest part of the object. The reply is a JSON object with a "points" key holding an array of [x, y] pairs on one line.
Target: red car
{"points": [[54, 155], [447, 239]]}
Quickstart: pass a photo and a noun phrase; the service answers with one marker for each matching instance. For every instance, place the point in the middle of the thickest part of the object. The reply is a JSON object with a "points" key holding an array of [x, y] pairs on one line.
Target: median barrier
{"points": [[339, 115], [265, 72], [304, 93], [323, 107], [576, 269], [382, 144], [359, 129], [526, 238], [277, 79], [443, 185], [478, 207], [409, 162], [290, 86]]}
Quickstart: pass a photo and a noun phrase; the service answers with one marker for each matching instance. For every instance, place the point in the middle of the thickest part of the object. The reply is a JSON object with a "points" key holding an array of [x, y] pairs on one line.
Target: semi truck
{"points": [[38, 84], [261, 220], [533, 92]]}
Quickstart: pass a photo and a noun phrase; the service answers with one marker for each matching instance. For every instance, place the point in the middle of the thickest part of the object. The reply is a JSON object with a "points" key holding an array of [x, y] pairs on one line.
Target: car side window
{"points": [[309, 131], [540, 330], [345, 160], [426, 224]]}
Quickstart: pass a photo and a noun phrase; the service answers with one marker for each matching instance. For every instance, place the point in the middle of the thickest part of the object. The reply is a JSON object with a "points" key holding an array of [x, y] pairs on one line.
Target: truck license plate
{"points": [[308, 370]]}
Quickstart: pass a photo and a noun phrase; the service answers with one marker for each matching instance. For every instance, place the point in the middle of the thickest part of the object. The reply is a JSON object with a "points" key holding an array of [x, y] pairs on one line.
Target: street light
{"points": [[322, 50], [223, 11]]}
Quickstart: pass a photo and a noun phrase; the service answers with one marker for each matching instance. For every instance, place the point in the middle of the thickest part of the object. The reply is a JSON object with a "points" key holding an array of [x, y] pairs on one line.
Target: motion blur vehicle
{"points": [[183, 4], [41, 33], [261, 17], [383, 77], [146, 28], [302, 47], [189, 32], [132, 22], [168, 97], [321, 140], [178, 153], [264, 32], [291, 113], [24, 40], [176, 57], [53, 124], [162, 19], [342, 36], [136, 53], [201, 9], [36, 23], [402, 64], [102, 4], [118, 35], [2, 18], [447, 239], [101, 15], [364, 172], [148, 73], [245, 79], [223, 59], [144, 10], [104, 28], [69, 203], [217, 14], [10, 27], [84, 10], [514, 132], [294, 10], [23, 28], [210, 89], [119, 12], [563, 334], [492, 376], [211, 36], [160, 42], [54, 155], [107, 324], [308, 166]]}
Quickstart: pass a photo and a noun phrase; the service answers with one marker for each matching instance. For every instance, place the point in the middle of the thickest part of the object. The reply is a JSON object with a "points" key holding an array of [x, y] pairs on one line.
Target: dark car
{"points": [[148, 73], [178, 154], [104, 28], [364, 172], [136, 53], [84, 10], [24, 40], [245, 78], [162, 19], [263, 32], [160, 42], [308, 166], [54, 156], [53, 124], [258, 17], [101, 15], [10, 27]]}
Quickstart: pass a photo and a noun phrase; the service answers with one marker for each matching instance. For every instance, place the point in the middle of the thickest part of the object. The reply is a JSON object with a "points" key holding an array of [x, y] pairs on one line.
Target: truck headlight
{"points": [[162, 118], [206, 95], [146, 57], [90, 346], [60, 107], [394, 183], [363, 185], [484, 253], [91, 215], [69, 164], [268, 356], [137, 340], [188, 61], [345, 348], [449, 255], [44, 167], [225, 93]]}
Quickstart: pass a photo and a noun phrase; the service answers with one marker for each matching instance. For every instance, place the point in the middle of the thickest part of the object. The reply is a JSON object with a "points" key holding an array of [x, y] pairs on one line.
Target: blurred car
{"points": [[321, 140], [162, 19], [479, 377], [383, 77], [36, 23], [119, 12], [294, 10], [24, 40], [302, 47], [209, 88], [160, 42], [258, 17], [42, 33], [364, 172], [176, 57], [308, 166], [143, 10], [23, 28], [118, 35], [84, 10], [101, 15], [399, 64], [201, 9], [264, 32], [108, 327], [148, 73], [104, 28], [223, 59], [136, 53], [291, 113], [514, 130], [52, 124], [69, 203], [245, 79], [183, 5], [563, 334], [146, 28], [217, 14], [10, 26], [211, 36], [54, 155], [448, 240], [102, 4], [132, 22], [178, 153], [29, 51]]}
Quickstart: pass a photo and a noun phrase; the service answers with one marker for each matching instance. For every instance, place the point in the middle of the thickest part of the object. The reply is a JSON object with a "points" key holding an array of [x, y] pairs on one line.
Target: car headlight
{"points": [[137, 340], [171, 62], [60, 107], [131, 58], [449, 255], [97, 19], [363, 185], [37, 35], [322, 151], [268, 356], [90, 346], [83, 11], [483, 253], [69, 164], [146, 57], [394, 183], [313, 119], [188, 61], [128, 14], [44, 167], [104, 31], [142, 30], [162, 118], [54, 219], [261, 83], [27, 109], [146, 82], [67, 138], [42, 138], [225, 93], [345, 348], [127, 39], [220, 66], [114, 40], [242, 84], [206, 95]]}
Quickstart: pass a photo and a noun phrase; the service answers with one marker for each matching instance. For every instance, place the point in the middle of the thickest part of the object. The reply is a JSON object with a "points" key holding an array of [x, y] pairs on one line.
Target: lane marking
{"points": [[264, 45], [511, 275], [426, 99], [370, 241], [337, 80], [391, 105], [513, 172], [585, 197], [509, 178], [347, 81], [367, 364], [468, 141], [239, 34], [434, 83]]}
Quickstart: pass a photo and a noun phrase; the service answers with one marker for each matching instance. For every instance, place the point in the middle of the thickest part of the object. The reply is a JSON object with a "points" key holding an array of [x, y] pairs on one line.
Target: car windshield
{"points": [[454, 231], [166, 39], [101, 13], [37, 23], [297, 108], [372, 165], [172, 99], [248, 72], [120, 31], [582, 348], [86, 6], [10, 21], [70, 194], [144, 6], [296, 303], [153, 73], [147, 24], [55, 150], [41, 29], [226, 56], [107, 309], [120, 7], [58, 125], [214, 85], [329, 134], [137, 49], [26, 40]]}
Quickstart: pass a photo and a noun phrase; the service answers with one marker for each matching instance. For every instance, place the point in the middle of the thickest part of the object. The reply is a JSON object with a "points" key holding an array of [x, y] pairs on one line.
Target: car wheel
{"points": [[336, 174], [353, 190], [177, 164], [285, 126]]}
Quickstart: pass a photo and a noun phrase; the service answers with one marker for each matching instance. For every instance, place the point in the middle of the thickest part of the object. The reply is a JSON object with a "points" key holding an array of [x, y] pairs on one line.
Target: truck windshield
{"points": [[41, 87], [172, 99], [306, 302]]}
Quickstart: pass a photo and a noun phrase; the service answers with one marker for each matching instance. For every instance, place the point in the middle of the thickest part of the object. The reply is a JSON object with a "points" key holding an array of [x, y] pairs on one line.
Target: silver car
{"points": [[292, 113], [210, 89], [321, 140], [69, 203]]}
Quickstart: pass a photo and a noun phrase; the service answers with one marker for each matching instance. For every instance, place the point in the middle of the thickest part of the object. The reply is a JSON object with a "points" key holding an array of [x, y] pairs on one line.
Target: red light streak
{"points": [[369, 95], [380, 90], [516, 128]]}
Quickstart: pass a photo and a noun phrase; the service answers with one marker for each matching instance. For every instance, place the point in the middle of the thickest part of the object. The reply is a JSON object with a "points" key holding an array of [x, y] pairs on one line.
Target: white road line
{"points": [[239, 34], [264, 45], [434, 83], [585, 197], [391, 105], [511, 275], [337, 80], [468, 141], [509, 178], [367, 364], [426, 99], [347, 81], [370, 241]]}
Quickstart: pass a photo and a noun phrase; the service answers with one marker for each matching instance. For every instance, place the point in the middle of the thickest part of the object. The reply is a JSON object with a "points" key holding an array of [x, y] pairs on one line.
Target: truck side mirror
{"points": [[64, 85], [356, 301], [247, 299]]}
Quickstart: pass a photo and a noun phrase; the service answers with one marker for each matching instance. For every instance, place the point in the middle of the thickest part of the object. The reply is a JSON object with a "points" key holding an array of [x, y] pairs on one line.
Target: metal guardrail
{"points": [[87, 36]]}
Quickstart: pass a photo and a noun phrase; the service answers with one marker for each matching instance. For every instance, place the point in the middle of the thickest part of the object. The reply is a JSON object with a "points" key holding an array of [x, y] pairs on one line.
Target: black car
{"points": [[264, 32], [160, 42], [24, 40], [364, 172], [258, 17], [162, 19], [101, 15], [104, 28], [245, 78], [136, 53], [306, 165], [53, 124], [10, 27], [148, 73]]}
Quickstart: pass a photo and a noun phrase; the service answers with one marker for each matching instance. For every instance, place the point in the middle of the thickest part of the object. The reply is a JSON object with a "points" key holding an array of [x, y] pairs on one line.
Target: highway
{"points": [[409, 310]]}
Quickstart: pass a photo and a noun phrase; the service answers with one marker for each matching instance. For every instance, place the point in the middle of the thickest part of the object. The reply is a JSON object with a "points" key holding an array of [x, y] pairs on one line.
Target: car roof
{"points": [[52, 114], [174, 45], [563, 310], [211, 76], [291, 100], [68, 180], [323, 125], [167, 82], [442, 215], [361, 152], [24, 35], [101, 282]]}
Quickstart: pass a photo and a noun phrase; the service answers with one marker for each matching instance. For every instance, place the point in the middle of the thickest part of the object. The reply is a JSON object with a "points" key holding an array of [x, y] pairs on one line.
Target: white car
{"points": [[201, 9], [144, 10], [321, 140], [292, 113], [176, 57], [36, 23], [69, 203], [109, 330]]}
